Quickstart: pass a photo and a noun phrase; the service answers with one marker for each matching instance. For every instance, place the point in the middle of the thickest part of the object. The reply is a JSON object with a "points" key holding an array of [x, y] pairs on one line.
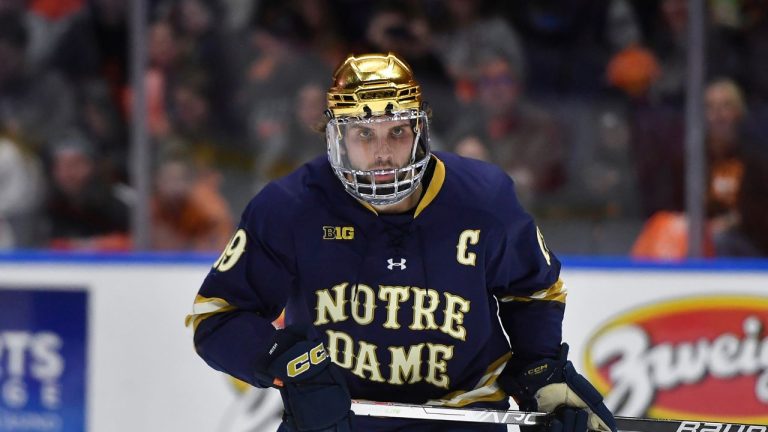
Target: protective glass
{"points": [[379, 159]]}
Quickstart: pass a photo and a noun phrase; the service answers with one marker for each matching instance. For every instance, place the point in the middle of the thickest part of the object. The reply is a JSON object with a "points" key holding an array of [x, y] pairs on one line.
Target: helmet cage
{"points": [[363, 184]]}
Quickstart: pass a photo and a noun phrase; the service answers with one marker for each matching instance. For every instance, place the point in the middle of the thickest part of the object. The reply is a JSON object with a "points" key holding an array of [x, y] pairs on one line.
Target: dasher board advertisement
{"points": [[43, 360], [685, 344]]}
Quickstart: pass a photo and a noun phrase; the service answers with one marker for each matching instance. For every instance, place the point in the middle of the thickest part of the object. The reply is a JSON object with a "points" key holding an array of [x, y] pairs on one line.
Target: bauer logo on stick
{"points": [[694, 426]]}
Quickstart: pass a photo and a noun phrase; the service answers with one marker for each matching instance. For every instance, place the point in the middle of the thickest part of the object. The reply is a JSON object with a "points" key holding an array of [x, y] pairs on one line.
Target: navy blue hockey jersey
{"points": [[413, 307]]}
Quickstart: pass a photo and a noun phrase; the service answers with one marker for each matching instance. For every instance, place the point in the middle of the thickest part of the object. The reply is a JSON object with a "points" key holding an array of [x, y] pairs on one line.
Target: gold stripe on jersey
{"points": [[204, 307], [369, 207], [486, 389], [556, 293], [435, 184], [438, 178]]}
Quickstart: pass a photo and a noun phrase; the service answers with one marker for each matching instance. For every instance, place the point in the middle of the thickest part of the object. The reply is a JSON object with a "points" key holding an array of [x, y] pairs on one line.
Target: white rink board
{"points": [[143, 374], [595, 296]]}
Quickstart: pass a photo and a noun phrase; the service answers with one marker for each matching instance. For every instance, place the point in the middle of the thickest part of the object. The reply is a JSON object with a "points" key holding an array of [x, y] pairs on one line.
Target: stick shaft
{"points": [[525, 418], [428, 412]]}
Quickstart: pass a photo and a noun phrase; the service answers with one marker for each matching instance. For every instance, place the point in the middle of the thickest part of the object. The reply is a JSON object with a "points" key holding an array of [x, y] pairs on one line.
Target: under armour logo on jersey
{"points": [[391, 264]]}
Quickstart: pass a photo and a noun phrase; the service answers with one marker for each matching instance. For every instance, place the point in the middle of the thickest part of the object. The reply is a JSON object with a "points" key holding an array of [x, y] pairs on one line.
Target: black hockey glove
{"points": [[554, 386], [315, 395]]}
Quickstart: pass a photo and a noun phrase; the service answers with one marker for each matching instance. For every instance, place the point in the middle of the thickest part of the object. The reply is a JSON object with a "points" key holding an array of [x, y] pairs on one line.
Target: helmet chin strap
{"points": [[415, 144]]}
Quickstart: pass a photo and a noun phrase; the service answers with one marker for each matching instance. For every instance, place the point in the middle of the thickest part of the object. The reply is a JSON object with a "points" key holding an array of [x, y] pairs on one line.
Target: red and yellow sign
{"points": [[702, 358]]}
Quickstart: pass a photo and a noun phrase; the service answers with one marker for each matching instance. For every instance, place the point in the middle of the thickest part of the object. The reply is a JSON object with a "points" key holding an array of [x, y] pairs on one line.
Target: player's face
{"points": [[379, 159], [382, 145]]}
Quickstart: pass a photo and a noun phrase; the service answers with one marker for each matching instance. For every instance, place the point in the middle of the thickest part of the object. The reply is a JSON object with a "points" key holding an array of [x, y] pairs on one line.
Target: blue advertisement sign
{"points": [[43, 340]]}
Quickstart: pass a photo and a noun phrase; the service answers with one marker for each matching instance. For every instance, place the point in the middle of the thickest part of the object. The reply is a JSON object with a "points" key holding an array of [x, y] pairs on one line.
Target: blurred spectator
{"points": [[95, 47], [195, 130], [473, 148], [35, 107], [83, 211], [46, 21], [93, 55], [163, 52], [21, 192], [521, 138], [466, 30], [276, 69], [748, 237], [669, 43], [568, 42], [193, 120], [237, 14], [203, 46], [395, 27], [188, 213], [667, 38], [601, 181], [609, 176], [725, 112], [319, 30], [302, 139], [665, 234], [653, 76], [581, 101], [100, 121]]}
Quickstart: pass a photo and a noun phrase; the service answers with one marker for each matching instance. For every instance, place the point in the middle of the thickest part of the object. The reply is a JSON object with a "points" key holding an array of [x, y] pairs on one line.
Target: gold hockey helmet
{"points": [[378, 131], [372, 84]]}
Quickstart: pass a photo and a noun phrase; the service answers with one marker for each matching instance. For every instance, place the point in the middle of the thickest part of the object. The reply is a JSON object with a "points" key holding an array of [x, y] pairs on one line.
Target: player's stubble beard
{"points": [[406, 204]]}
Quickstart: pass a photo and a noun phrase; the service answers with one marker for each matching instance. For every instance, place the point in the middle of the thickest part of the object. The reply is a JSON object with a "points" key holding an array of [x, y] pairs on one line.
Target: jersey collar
{"points": [[434, 187]]}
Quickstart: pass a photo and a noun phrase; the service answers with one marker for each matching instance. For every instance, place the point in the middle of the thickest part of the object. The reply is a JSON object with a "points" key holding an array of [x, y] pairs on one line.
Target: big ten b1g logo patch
{"points": [[42, 360], [338, 233]]}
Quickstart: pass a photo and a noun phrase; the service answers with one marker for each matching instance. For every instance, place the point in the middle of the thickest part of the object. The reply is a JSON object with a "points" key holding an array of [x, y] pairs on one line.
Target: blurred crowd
{"points": [[582, 102]]}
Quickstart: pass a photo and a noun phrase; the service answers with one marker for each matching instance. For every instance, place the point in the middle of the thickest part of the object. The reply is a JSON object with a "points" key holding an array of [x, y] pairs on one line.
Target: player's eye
{"points": [[365, 133], [397, 131]]}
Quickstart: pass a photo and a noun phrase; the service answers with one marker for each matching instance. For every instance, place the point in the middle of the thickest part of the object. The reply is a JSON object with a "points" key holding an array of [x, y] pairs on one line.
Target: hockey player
{"points": [[405, 276]]}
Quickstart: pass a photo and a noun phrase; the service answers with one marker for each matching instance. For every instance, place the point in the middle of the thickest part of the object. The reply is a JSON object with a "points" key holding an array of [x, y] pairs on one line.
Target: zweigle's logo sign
{"points": [[703, 358]]}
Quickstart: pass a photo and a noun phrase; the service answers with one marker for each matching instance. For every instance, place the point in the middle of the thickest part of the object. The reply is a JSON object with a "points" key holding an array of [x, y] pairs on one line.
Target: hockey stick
{"points": [[524, 418]]}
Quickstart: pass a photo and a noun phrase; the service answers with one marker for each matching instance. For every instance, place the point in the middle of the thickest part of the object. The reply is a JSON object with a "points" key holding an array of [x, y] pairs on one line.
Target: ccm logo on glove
{"points": [[537, 370], [302, 363]]}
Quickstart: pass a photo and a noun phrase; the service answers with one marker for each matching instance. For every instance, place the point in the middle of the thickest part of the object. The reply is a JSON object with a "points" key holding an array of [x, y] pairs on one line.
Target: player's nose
{"points": [[383, 150], [383, 161]]}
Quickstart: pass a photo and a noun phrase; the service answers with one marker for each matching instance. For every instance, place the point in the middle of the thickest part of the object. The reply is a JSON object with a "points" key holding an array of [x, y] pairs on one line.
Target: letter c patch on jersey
{"points": [[466, 238]]}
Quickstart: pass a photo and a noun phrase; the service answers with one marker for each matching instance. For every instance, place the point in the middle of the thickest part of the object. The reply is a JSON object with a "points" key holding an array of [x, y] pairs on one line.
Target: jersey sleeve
{"points": [[524, 275], [246, 289]]}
